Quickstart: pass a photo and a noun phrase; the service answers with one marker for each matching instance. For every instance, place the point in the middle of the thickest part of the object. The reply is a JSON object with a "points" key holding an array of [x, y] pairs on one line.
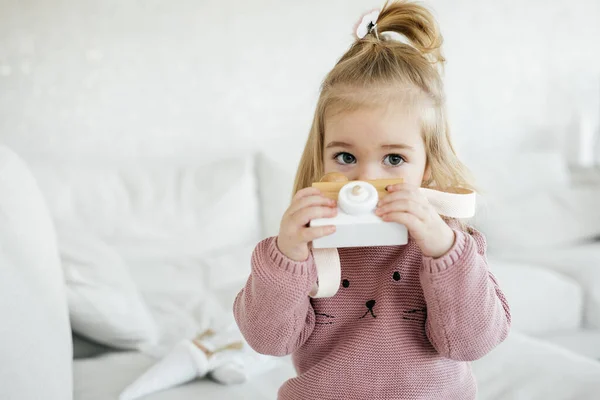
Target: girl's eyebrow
{"points": [[339, 144], [383, 146], [397, 146]]}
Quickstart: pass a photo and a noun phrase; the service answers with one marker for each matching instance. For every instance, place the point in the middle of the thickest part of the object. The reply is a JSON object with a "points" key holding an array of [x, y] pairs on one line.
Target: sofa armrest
{"points": [[35, 339]]}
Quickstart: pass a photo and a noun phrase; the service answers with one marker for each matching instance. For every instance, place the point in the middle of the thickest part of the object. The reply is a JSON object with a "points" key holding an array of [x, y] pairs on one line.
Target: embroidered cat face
{"points": [[359, 303], [382, 291]]}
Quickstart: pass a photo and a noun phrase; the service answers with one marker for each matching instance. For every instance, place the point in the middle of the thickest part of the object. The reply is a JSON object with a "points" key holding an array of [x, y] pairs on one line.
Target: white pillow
{"points": [[527, 201], [227, 272], [35, 336], [509, 175], [156, 208], [104, 303], [554, 217], [228, 267]]}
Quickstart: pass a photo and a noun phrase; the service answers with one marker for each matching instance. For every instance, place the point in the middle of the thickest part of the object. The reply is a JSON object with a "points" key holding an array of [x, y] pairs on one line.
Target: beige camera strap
{"points": [[456, 204]]}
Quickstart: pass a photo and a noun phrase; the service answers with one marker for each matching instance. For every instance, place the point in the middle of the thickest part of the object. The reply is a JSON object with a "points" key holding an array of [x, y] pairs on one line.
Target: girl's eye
{"points": [[345, 158], [393, 160], [396, 276], [345, 283]]}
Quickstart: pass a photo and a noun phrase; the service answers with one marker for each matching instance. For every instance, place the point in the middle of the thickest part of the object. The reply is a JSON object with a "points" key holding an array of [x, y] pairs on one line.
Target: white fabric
{"points": [[156, 208], [182, 312], [453, 205], [104, 302], [541, 300], [187, 362], [184, 363], [525, 368], [329, 270], [35, 336]]}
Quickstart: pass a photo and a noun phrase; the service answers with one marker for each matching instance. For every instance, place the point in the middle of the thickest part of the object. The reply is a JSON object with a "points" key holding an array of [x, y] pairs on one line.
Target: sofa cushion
{"points": [[579, 262], [583, 341], [105, 304], [105, 377], [541, 300], [526, 368], [35, 334]]}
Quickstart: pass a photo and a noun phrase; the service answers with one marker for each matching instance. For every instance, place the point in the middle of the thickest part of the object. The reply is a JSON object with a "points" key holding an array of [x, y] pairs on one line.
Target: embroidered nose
{"points": [[370, 304]]}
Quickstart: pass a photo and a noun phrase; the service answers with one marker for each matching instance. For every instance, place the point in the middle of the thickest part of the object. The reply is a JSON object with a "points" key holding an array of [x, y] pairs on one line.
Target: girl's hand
{"points": [[294, 232], [406, 205]]}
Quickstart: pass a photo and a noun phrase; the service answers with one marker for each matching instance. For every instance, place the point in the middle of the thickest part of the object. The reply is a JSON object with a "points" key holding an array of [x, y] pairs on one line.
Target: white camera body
{"points": [[356, 223]]}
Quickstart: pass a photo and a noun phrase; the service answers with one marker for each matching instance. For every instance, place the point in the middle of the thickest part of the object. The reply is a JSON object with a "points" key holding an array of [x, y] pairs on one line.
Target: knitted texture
{"points": [[401, 326]]}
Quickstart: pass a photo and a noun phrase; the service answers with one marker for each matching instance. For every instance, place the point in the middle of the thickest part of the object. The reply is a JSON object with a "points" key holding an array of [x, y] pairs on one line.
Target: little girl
{"points": [[406, 320]]}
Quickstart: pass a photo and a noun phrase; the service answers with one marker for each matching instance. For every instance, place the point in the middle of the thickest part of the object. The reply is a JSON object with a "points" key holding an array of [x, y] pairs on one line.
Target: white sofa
{"points": [[542, 221], [168, 260]]}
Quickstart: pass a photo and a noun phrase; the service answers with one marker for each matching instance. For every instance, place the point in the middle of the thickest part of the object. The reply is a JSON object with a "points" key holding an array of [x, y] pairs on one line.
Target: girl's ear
{"points": [[427, 174]]}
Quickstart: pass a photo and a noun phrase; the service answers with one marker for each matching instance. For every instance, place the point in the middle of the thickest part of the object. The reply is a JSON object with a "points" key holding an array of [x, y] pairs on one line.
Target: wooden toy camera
{"points": [[356, 222]]}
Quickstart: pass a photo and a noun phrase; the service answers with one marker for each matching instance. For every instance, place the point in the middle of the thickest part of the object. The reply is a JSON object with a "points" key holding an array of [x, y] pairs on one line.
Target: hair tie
{"points": [[367, 24]]}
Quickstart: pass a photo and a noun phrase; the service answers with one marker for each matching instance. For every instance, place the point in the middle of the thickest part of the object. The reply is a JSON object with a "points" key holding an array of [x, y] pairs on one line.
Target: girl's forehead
{"points": [[374, 126]]}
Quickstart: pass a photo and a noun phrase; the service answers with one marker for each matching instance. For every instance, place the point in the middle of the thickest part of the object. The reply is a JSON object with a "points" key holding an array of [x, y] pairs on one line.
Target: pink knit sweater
{"points": [[401, 326]]}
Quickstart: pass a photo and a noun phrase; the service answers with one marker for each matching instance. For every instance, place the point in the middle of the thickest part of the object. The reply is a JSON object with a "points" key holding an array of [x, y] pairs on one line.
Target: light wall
{"points": [[193, 78]]}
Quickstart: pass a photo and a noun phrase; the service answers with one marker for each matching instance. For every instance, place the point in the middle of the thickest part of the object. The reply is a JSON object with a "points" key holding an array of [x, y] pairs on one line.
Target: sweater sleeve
{"points": [[467, 313], [273, 310]]}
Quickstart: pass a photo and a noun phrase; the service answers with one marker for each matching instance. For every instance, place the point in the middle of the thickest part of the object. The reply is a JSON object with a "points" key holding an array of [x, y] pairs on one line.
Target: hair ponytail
{"points": [[416, 24]]}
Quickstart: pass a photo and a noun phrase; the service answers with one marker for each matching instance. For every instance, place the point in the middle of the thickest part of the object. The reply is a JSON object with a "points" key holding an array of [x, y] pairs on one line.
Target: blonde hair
{"points": [[376, 69]]}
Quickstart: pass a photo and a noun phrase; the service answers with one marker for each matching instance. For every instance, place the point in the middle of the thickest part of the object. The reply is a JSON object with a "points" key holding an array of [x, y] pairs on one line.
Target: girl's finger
{"points": [[407, 192], [308, 191], [315, 232], [411, 222], [304, 216], [309, 201], [397, 195], [401, 186], [410, 206]]}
